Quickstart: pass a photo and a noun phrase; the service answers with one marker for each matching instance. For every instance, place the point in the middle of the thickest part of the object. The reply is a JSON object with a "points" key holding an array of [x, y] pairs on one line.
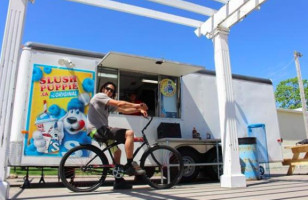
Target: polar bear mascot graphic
{"points": [[68, 129], [74, 127]]}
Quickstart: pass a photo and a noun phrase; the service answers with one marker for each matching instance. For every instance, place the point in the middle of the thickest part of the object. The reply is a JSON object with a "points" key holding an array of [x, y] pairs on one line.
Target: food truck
{"points": [[55, 84]]}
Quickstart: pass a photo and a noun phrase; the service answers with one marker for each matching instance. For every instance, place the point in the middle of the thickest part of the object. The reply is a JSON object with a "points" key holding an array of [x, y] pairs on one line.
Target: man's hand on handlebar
{"points": [[143, 106], [144, 113]]}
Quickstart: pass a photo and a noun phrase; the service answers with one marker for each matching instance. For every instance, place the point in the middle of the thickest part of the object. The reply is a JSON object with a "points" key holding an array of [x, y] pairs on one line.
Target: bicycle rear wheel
{"points": [[83, 168], [167, 165]]}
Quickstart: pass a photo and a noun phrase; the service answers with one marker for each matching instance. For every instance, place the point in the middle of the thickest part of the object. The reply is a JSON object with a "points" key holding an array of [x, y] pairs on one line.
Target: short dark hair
{"points": [[109, 83]]}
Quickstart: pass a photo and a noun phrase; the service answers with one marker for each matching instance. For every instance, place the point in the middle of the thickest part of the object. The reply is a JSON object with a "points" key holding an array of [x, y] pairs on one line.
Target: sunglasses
{"points": [[109, 89]]}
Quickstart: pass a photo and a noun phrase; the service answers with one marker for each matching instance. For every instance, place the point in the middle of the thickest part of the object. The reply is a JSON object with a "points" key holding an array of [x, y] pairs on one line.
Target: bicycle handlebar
{"points": [[146, 126]]}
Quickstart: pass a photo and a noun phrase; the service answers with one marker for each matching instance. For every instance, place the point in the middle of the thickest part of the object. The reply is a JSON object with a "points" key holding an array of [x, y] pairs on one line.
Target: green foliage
{"points": [[33, 171], [287, 94]]}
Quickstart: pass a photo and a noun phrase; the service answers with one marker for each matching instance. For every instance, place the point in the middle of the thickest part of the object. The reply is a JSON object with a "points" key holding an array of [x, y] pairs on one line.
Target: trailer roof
{"points": [[57, 49], [202, 70], [240, 77]]}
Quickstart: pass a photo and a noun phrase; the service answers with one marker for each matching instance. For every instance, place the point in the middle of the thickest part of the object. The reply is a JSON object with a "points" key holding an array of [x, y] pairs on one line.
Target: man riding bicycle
{"points": [[99, 108]]}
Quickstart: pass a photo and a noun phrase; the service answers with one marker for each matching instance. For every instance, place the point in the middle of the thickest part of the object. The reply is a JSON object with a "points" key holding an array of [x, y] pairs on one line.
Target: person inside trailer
{"points": [[133, 99]]}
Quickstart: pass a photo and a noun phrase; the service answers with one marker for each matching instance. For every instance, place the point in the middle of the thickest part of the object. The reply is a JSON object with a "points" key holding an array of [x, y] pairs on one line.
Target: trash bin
{"points": [[249, 157], [258, 131]]}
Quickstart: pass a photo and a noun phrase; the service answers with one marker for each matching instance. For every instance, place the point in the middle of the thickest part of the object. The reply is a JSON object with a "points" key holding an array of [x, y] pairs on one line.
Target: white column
{"points": [[297, 55], [8, 72], [232, 176]]}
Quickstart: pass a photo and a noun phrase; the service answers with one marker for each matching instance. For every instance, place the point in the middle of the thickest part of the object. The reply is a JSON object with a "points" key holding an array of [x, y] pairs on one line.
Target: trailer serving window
{"points": [[160, 93], [155, 82]]}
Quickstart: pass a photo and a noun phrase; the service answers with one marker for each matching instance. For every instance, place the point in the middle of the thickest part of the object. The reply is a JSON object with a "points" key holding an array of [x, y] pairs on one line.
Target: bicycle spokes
{"points": [[163, 167], [82, 174]]}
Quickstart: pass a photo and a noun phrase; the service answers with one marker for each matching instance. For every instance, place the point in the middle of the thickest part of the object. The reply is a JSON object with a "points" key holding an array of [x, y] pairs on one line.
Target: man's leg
{"points": [[133, 167], [119, 135], [127, 138], [129, 144], [117, 156]]}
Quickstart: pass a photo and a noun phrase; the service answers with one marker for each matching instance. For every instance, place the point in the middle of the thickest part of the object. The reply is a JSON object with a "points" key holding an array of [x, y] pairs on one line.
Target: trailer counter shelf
{"points": [[198, 155]]}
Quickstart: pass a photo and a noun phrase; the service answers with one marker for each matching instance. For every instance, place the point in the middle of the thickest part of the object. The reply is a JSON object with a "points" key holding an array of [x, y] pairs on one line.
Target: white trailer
{"points": [[55, 83]]}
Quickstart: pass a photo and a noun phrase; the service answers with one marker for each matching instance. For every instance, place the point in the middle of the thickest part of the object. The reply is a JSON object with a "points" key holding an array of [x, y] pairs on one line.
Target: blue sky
{"points": [[262, 45]]}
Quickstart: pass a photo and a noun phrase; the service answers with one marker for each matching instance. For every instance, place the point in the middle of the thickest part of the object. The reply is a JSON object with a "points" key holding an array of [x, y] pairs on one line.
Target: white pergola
{"points": [[216, 27]]}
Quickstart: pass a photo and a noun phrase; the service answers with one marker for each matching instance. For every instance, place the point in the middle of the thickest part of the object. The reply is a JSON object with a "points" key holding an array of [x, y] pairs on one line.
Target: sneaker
{"points": [[134, 169], [121, 184]]}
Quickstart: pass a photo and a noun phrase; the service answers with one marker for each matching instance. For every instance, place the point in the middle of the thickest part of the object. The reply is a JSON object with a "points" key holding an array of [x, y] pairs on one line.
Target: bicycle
{"points": [[84, 168]]}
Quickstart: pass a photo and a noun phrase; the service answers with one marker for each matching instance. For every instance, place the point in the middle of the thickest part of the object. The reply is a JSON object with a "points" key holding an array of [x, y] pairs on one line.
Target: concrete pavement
{"points": [[279, 186]]}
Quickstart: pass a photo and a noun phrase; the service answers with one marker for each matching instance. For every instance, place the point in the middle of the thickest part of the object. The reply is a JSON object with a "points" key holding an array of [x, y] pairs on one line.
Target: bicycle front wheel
{"points": [[83, 168], [164, 166]]}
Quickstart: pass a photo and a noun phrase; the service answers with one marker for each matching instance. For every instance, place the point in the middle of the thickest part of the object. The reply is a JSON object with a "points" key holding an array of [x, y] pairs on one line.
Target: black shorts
{"points": [[109, 133]]}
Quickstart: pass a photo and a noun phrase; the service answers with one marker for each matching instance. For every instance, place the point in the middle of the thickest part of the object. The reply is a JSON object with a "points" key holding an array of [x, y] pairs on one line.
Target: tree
{"points": [[287, 93]]}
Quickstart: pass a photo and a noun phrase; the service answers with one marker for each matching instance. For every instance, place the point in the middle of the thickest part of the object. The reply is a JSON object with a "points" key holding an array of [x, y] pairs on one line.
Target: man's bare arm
{"points": [[125, 104], [127, 110], [132, 110]]}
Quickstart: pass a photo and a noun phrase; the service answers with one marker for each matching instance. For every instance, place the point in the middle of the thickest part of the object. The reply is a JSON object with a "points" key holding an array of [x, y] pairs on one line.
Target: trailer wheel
{"points": [[262, 171], [212, 170], [190, 172]]}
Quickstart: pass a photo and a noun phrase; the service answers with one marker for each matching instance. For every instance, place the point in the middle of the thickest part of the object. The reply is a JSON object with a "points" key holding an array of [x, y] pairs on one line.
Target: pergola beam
{"points": [[222, 1], [228, 15], [184, 5], [242, 12], [213, 22], [127, 8]]}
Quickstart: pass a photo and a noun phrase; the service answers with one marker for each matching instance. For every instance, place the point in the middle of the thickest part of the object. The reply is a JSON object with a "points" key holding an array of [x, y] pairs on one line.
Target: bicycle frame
{"points": [[154, 164], [145, 142]]}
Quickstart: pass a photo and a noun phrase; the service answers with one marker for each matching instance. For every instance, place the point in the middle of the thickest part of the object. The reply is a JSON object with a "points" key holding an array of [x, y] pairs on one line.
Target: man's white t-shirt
{"points": [[99, 111]]}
